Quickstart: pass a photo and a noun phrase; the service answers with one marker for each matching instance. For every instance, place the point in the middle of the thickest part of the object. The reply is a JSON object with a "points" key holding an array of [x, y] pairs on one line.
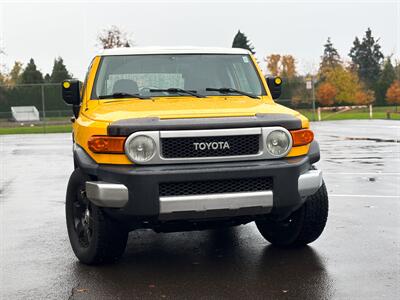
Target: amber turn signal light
{"points": [[106, 144], [302, 137]]}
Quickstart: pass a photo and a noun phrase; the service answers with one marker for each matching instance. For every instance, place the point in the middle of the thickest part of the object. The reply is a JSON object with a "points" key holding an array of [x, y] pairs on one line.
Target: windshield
{"points": [[147, 75]]}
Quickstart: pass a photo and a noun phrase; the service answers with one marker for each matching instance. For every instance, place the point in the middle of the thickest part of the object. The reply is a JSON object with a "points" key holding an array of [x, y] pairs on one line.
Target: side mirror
{"points": [[71, 91], [275, 86]]}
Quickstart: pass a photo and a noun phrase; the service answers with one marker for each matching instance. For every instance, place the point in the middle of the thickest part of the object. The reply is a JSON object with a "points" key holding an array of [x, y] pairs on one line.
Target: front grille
{"points": [[184, 147], [215, 186]]}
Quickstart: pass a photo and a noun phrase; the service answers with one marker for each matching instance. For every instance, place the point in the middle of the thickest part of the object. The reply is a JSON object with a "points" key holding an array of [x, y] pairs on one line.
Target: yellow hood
{"points": [[182, 107]]}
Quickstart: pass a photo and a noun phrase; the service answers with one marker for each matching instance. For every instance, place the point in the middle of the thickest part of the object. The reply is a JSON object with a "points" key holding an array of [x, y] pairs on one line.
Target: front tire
{"points": [[302, 227], [94, 237]]}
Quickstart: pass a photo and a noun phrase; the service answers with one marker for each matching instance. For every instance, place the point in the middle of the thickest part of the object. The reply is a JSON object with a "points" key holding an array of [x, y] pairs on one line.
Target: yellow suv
{"points": [[177, 139]]}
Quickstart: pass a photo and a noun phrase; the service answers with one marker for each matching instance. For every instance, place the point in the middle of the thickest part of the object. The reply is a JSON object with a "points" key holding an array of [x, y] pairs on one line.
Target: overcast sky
{"points": [[47, 29]]}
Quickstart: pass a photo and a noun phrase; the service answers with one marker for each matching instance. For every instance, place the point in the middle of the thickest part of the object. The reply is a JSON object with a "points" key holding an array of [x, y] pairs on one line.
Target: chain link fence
{"points": [[54, 114], [45, 98]]}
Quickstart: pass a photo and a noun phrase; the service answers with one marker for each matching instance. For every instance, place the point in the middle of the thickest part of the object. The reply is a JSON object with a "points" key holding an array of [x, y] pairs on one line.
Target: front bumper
{"points": [[116, 195], [134, 191]]}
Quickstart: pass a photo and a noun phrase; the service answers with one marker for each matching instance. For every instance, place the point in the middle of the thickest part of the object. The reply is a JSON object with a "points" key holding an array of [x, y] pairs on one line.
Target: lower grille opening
{"points": [[215, 186]]}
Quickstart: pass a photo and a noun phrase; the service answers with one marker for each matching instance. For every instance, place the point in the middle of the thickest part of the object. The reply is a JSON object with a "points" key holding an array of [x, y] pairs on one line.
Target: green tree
{"points": [[31, 74], [387, 77], [346, 83], [241, 41], [292, 87], [331, 58], [367, 58], [59, 72]]}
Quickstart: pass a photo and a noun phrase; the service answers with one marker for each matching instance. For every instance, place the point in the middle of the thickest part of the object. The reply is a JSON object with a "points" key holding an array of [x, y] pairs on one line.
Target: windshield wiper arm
{"points": [[177, 91], [230, 91], [123, 95]]}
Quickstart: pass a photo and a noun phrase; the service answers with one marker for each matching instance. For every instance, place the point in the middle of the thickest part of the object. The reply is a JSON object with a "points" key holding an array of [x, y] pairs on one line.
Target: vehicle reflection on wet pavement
{"points": [[358, 255]]}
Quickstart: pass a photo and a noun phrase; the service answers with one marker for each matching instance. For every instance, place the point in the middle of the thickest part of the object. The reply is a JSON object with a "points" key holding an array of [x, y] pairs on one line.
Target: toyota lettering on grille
{"points": [[211, 146]]}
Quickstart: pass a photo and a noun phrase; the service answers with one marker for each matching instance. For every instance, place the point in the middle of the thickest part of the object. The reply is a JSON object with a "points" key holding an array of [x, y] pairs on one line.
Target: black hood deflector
{"points": [[128, 126]]}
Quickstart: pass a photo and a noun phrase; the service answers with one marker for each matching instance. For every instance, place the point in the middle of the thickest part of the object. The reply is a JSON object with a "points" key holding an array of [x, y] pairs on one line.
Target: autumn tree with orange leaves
{"points": [[326, 94], [273, 62], [393, 93], [281, 65], [364, 97], [288, 66]]}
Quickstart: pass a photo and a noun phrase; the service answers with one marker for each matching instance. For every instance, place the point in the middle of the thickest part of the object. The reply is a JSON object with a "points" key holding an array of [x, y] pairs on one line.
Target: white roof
{"points": [[172, 50]]}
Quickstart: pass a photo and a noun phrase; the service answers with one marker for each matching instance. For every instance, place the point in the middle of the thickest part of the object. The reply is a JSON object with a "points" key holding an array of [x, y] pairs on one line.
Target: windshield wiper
{"points": [[230, 91], [177, 91], [123, 95]]}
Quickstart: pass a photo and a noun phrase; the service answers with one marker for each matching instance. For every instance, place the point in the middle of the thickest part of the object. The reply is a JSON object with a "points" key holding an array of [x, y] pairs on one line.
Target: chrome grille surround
{"points": [[157, 136], [182, 147]]}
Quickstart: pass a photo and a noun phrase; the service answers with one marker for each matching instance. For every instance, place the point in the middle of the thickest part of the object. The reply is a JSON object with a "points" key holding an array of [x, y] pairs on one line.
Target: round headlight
{"points": [[278, 142], [141, 148]]}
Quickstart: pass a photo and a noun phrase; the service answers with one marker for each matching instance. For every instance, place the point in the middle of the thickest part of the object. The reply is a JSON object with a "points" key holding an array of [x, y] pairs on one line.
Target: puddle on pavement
{"points": [[361, 154], [370, 163], [357, 158], [376, 161], [366, 139], [4, 186]]}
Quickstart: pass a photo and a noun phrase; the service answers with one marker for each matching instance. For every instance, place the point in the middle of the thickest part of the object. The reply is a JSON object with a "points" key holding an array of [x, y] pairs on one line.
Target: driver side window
{"points": [[83, 91]]}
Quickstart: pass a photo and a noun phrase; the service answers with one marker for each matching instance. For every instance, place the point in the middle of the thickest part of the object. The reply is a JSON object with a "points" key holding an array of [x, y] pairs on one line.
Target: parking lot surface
{"points": [[357, 257]]}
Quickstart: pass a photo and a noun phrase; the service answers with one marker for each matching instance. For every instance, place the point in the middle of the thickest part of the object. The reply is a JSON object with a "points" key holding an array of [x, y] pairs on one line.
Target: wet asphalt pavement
{"points": [[357, 257]]}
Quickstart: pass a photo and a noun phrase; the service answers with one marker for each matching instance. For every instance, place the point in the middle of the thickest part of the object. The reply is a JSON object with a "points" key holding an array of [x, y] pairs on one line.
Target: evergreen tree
{"points": [[330, 58], [241, 41], [47, 78], [31, 74], [59, 72], [397, 70], [387, 77], [367, 58]]}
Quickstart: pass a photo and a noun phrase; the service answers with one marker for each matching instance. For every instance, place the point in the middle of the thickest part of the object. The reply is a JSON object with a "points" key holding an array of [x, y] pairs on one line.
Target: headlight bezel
{"points": [[289, 140], [128, 149]]}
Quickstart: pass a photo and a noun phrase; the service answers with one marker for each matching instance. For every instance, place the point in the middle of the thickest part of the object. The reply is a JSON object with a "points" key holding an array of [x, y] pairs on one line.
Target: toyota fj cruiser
{"points": [[187, 139]]}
